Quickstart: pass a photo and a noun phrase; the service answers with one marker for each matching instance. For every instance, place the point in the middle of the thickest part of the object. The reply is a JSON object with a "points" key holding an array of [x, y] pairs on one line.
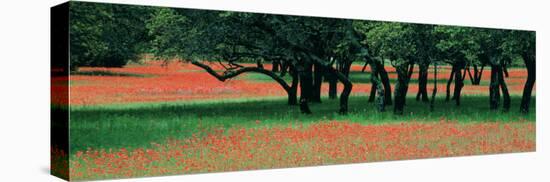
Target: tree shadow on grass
{"points": [[111, 127]]}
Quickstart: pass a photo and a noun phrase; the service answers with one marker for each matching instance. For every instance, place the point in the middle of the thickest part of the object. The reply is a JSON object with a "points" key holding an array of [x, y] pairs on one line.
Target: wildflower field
{"points": [[153, 119]]}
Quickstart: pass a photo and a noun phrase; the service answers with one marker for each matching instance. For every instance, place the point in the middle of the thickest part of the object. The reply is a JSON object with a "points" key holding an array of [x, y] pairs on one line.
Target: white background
{"points": [[24, 89]]}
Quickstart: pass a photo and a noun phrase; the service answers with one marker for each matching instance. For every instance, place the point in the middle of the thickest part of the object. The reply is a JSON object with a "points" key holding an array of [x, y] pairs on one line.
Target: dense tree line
{"points": [[311, 50], [106, 35]]}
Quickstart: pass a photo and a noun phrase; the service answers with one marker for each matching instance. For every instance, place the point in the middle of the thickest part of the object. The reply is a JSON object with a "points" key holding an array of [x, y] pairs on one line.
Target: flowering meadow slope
{"points": [[322, 143]]}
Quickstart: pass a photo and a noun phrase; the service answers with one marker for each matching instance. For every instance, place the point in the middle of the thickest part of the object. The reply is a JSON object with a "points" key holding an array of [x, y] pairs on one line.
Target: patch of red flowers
{"points": [[172, 82], [316, 144], [59, 162], [155, 82]]}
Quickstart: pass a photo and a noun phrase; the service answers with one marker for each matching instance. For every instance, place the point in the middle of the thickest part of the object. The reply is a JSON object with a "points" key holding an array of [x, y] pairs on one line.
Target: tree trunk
{"points": [[422, 83], [377, 87], [476, 72], [494, 93], [276, 65], [505, 70], [374, 73], [347, 89], [285, 66], [479, 74], [292, 94], [463, 74], [505, 93], [317, 83], [373, 87], [385, 81], [305, 87], [528, 88], [346, 68], [365, 66], [459, 83], [408, 78], [400, 89], [342, 78], [332, 86], [411, 71], [259, 64], [434, 92], [449, 84], [470, 75]]}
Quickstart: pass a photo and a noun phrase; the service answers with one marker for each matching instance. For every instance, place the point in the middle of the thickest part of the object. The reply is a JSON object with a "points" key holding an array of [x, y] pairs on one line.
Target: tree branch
{"points": [[234, 73]]}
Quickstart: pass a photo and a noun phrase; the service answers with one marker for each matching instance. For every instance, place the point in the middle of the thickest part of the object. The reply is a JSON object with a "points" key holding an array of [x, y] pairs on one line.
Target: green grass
{"points": [[139, 125], [257, 77]]}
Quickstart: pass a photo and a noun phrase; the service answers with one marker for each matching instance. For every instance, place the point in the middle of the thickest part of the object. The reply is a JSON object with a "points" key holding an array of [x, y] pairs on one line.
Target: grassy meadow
{"points": [[146, 120], [139, 125]]}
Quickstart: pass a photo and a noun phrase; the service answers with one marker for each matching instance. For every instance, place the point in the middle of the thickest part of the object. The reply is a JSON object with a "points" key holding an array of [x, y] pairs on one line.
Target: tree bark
{"points": [[408, 78], [451, 77], [306, 84], [411, 71], [293, 92], [233, 73], [385, 81], [478, 79], [422, 83], [259, 64], [505, 70], [346, 68], [463, 73], [529, 61], [434, 92], [285, 66], [494, 93], [347, 89], [373, 87], [377, 87], [342, 78], [505, 93], [470, 75], [476, 72], [276, 65], [459, 83], [400, 89], [374, 73], [365, 66], [480, 74], [317, 83], [332, 86]]}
